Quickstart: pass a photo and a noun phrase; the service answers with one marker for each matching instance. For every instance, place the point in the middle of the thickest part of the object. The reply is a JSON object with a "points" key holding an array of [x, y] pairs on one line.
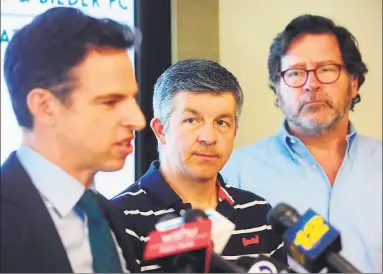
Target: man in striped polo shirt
{"points": [[197, 104]]}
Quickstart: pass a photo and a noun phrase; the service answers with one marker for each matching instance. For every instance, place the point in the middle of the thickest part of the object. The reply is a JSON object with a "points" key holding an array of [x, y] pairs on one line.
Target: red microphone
{"points": [[186, 248]]}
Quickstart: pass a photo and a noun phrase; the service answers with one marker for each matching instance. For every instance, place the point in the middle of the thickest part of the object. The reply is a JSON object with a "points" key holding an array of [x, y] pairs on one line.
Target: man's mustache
{"points": [[316, 97]]}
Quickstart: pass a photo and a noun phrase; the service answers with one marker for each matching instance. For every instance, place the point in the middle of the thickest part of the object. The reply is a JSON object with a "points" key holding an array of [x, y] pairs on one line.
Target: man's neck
{"points": [[200, 194], [54, 154], [327, 148], [330, 141]]}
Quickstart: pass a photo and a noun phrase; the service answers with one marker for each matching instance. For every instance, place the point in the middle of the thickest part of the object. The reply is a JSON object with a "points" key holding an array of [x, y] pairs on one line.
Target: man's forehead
{"points": [[199, 98], [312, 48]]}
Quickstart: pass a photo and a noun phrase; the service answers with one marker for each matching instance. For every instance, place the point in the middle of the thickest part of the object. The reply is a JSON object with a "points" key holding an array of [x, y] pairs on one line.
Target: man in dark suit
{"points": [[73, 92]]}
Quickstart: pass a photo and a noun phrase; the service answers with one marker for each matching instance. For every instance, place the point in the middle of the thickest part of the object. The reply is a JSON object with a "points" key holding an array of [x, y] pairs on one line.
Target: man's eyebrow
{"points": [[114, 95], [225, 115], [191, 110], [221, 116], [300, 64], [303, 64], [327, 62]]}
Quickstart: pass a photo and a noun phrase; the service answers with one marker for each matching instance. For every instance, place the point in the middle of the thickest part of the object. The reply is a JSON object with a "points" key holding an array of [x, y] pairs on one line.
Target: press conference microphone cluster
{"points": [[184, 244], [192, 243], [310, 240]]}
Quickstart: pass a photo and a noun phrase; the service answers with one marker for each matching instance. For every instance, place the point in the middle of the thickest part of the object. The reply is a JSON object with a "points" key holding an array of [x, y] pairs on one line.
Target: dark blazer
{"points": [[29, 239]]}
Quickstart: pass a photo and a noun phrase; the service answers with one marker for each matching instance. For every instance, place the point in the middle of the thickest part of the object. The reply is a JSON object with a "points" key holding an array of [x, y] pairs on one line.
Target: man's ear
{"points": [[42, 105], [354, 86], [158, 129]]}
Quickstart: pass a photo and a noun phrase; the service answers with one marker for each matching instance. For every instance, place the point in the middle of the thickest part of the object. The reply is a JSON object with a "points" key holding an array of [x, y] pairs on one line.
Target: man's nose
{"points": [[133, 116], [312, 82], [207, 134]]}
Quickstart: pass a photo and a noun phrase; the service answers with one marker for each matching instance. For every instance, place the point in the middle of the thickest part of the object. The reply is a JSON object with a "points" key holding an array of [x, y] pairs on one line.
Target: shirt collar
{"points": [[155, 185], [59, 188], [289, 140]]}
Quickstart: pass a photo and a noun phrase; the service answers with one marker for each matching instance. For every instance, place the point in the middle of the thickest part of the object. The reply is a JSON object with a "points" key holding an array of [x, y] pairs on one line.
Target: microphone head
{"points": [[194, 215], [262, 264], [282, 217], [245, 262], [167, 217], [168, 221]]}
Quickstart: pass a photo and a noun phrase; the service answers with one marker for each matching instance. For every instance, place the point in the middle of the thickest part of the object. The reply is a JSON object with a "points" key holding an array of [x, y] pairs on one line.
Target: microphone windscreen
{"points": [[167, 217], [281, 217], [194, 215]]}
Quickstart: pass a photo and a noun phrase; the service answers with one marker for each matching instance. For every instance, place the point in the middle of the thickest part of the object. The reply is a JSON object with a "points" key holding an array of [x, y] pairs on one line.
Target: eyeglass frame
{"points": [[339, 66]]}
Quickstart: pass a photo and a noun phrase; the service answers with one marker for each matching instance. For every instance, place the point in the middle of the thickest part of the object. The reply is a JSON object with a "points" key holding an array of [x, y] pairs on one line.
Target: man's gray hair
{"points": [[193, 75]]}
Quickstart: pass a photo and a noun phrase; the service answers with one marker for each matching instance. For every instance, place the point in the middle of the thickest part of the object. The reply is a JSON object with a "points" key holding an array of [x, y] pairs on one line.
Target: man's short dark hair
{"points": [[313, 24], [193, 75], [43, 53]]}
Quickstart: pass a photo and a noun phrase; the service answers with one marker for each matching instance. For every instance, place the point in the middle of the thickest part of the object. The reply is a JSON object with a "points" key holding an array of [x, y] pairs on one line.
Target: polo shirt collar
{"points": [[155, 186], [159, 190]]}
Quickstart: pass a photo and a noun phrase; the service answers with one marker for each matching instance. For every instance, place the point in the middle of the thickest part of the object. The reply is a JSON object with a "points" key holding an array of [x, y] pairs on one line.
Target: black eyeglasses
{"points": [[297, 77]]}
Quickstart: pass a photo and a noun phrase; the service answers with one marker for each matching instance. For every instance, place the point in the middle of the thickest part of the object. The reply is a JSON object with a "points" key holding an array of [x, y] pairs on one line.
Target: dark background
{"points": [[152, 58]]}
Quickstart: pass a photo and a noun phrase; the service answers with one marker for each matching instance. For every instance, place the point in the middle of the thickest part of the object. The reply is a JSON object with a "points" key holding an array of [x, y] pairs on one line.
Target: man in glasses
{"points": [[318, 160]]}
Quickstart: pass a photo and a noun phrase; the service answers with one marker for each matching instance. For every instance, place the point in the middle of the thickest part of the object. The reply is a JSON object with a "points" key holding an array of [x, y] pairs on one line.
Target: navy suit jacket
{"points": [[29, 239]]}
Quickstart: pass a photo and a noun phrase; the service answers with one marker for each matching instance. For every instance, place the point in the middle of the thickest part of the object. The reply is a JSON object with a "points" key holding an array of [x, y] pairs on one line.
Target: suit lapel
{"points": [[29, 223]]}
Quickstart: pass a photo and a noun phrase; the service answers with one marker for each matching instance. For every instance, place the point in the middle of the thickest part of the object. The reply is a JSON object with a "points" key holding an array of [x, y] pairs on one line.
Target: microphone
{"points": [[262, 264], [186, 246], [174, 246], [214, 263], [310, 240], [221, 228]]}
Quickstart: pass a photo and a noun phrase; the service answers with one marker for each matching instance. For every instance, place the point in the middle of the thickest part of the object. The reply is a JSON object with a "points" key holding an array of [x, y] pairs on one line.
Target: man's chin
{"points": [[113, 165], [203, 175], [317, 127]]}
